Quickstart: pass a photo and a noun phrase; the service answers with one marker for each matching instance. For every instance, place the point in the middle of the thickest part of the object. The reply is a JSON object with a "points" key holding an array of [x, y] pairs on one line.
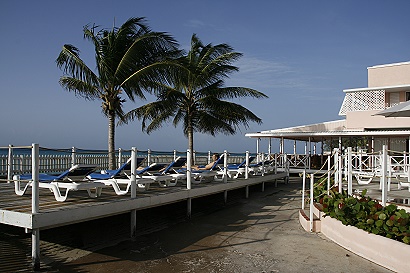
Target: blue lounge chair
{"points": [[118, 173], [161, 173], [122, 176], [236, 170], [72, 179], [171, 170]]}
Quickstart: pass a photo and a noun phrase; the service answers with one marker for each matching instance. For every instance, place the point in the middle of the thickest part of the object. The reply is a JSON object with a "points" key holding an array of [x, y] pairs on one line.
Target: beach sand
{"points": [[258, 234]]}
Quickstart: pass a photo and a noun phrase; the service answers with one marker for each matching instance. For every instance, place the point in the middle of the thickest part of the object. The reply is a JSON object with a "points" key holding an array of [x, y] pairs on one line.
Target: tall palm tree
{"points": [[197, 97], [128, 61]]}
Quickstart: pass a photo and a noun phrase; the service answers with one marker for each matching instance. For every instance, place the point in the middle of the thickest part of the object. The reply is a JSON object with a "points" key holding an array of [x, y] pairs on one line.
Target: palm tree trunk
{"points": [[191, 143], [111, 141]]}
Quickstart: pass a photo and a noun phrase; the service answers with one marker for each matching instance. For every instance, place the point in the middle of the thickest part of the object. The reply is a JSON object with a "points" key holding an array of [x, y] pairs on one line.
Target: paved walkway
{"points": [[259, 234]]}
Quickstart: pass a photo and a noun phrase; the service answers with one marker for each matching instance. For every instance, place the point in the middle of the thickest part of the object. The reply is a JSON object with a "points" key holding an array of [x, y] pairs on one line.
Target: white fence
{"points": [[20, 163]]}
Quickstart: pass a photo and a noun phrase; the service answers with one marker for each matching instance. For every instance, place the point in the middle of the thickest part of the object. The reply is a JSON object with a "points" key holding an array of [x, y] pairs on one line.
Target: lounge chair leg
{"points": [[57, 194]]}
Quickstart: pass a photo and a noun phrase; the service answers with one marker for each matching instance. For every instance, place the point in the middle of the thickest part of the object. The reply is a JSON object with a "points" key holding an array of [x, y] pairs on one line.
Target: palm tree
{"points": [[197, 97], [128, 61]]}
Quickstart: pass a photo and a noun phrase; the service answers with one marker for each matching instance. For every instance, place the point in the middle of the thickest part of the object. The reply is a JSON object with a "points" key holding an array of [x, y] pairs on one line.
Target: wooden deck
{"points": [[16, 210]]}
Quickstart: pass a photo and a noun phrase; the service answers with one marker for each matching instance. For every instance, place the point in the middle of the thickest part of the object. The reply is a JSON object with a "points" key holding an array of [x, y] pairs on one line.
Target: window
{"points": [[407, 96]]}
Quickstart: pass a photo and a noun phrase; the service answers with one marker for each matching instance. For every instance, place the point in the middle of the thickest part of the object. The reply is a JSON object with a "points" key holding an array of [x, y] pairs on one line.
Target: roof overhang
{"points": [[392, 88], [323, 131]]}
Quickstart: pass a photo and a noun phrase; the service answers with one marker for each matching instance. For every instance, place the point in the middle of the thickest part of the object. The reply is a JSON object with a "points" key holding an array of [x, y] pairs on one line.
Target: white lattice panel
{"points": [[363, 101]]}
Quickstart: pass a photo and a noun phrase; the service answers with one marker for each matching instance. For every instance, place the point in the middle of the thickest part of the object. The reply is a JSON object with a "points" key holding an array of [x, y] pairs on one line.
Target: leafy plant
{"points": [[365, 213]]}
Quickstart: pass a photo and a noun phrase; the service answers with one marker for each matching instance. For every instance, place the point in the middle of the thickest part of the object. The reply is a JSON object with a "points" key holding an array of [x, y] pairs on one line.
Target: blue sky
{"points": [[302, 54]]}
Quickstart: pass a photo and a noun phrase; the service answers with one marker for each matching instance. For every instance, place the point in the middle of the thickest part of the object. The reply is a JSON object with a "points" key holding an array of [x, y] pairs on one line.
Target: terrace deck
{"points": [[16, 210]]}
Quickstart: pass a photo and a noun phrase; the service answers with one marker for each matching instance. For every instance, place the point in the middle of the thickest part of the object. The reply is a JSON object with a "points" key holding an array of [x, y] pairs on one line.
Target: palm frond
{"points": [[80, 88], [71, 63]]}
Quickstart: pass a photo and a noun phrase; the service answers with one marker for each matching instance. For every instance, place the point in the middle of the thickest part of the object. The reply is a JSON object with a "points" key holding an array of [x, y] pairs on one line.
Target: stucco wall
{"points": [[364, 119], [389, 75]]}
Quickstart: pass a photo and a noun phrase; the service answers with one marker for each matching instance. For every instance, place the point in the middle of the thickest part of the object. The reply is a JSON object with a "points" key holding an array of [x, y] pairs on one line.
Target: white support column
{"points": [[35, 235], [10, 164], [175, 155], [328, 172], [35, 249], [133, 213], [188, 169], [312, 180], [303, 188], [35, 178], [247, 165], [270, 147], [336, 164], [383, 179], [133, 172], [282, 147], [349, 171], [225, 175], [310, 152], [340, 170], [257, 150], [294, 147], [149, 157]]}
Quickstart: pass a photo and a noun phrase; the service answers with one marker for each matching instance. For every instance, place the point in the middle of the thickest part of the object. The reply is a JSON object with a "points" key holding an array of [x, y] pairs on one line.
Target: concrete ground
{"points": [[259, 234]]}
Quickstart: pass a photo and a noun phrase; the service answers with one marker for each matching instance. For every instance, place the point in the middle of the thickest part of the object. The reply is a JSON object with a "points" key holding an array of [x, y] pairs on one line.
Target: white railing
{"points": [[14, 163]]}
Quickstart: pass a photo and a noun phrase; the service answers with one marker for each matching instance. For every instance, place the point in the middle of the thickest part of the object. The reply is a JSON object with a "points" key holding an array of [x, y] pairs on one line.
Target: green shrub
{"points": [[365, 213]]}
